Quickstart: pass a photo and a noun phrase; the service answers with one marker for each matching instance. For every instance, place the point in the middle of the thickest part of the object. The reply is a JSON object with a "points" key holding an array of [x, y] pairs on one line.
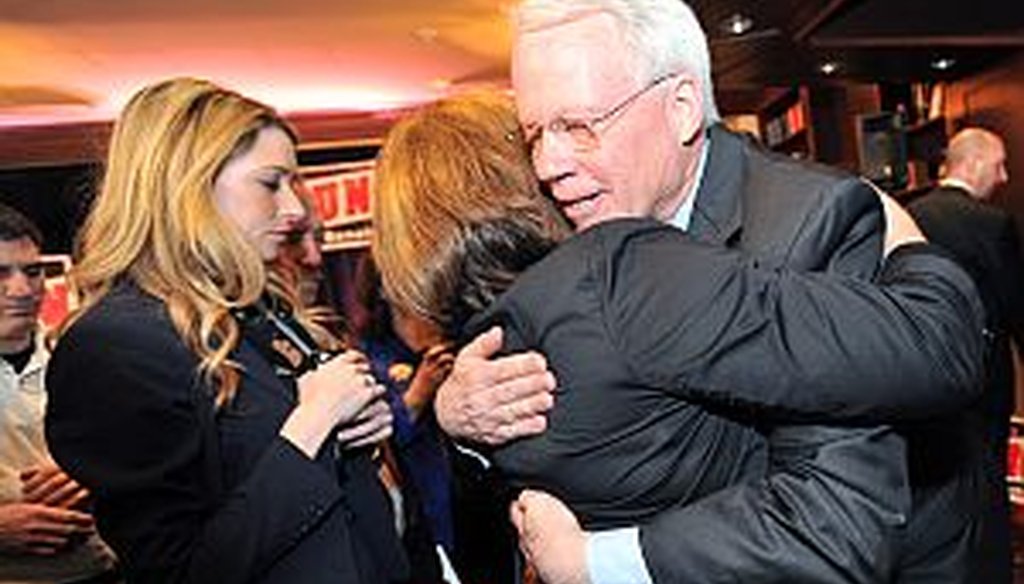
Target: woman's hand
{"points": [[433, 369], [370, 426], [337, 393]]}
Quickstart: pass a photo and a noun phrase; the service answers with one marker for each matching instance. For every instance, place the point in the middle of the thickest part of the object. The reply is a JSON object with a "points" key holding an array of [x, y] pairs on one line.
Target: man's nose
{"points": [[553, 157]]}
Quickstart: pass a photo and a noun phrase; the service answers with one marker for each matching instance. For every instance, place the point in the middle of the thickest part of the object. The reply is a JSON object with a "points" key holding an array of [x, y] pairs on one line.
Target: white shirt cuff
{"points": [[614, 557]]}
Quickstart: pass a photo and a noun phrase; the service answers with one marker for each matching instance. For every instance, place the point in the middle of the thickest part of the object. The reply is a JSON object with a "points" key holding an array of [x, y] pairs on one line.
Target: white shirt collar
{"points": [[951, 181], [682, 217]]}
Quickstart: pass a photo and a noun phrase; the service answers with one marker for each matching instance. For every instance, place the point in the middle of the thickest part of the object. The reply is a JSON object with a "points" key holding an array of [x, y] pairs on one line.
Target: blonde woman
{"points": [[219, 448], [672, 356]]}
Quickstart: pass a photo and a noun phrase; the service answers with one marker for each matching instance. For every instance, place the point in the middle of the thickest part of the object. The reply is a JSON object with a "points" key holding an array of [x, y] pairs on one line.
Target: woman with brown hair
{"points": [[651, 336], [188, 390]]}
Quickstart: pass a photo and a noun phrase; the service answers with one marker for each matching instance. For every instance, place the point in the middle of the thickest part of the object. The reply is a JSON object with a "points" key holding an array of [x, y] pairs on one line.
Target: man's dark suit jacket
{"points": [[984, 240], [639, 323], [187, 494], [808, 217]]}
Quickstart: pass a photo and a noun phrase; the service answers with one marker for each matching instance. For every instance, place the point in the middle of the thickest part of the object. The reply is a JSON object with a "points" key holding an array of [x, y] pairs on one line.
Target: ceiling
{"points": [[64, 61]]}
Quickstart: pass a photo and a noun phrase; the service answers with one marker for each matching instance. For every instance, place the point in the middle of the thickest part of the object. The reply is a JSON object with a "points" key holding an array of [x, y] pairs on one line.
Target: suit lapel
{"points": [[718, 208]]}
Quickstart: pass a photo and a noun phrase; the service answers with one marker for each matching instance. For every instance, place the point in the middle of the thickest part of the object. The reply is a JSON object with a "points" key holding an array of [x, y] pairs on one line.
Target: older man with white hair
{"points": [[616, 100]]}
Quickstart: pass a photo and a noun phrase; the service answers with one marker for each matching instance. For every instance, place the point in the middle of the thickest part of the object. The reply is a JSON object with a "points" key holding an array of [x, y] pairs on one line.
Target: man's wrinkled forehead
{"points": [[567, 69]]}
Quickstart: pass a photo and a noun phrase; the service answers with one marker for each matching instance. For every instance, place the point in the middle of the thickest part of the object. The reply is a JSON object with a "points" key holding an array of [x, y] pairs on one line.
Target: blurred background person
{"points": [[188, 391], [301, 255], [958, 215], [46, 532], [411, 359]]}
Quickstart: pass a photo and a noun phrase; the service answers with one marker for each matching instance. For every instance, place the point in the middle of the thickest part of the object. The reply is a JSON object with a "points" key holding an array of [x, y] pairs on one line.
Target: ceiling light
{"points": [[943, 63], [829, 67], [737, 24]]}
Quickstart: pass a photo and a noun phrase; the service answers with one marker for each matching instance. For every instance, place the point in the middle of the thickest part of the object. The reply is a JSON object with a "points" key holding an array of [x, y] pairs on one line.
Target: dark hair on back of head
{"points": [[493, 253], [14, 226]]}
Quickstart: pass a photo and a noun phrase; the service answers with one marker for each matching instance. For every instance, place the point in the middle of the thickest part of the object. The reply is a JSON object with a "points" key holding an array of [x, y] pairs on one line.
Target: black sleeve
{"points": [[829, 509], [126, 418], [714, 328], [835, 499]]}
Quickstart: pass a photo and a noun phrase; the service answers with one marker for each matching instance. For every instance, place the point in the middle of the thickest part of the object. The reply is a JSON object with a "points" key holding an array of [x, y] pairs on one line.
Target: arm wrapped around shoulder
{"points": [[713, 327]]}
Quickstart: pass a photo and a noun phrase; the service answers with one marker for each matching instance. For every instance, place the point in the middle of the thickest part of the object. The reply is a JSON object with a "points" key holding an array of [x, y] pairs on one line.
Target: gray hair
{"points": [[664, 35]]}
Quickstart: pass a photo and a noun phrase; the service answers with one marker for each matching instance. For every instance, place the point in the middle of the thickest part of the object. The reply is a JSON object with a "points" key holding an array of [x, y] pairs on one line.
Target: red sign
{"points": [[342, 197]]}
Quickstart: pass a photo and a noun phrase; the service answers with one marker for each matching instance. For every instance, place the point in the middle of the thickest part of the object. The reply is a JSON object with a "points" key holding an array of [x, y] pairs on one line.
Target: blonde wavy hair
{"points": [[458, 211], [155, 222]]}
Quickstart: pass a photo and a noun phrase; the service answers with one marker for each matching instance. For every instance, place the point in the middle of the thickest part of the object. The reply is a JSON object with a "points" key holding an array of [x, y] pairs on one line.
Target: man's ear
{"points": [[687, 108]]}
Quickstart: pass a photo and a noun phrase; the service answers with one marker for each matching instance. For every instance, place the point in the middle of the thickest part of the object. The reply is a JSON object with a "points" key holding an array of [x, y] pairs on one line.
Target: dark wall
{"points": [[56, 198]]}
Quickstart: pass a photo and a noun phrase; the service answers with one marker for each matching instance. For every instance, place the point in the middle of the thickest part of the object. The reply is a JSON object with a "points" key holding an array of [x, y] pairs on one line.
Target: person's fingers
{"points": [[67, 492], [370, 422], [375, 403], [529, 497], [514, 368], [59, 521], [27, 475], [484, 345], [437, 352], [47, 485], [357, 432], [518, 429], [377, 437], [470, 403], [362, 398], [375, 407], [38, 478], [75, 499], [524, 398], [350, 359], [516, 514]]}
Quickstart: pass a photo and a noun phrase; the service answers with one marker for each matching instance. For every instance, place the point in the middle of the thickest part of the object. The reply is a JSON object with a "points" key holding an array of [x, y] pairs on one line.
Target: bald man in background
{"points": [[983, 238]]}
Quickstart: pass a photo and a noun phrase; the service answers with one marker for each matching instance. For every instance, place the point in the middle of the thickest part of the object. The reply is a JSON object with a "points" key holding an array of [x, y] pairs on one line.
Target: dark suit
{"points": [[984, 240], [808, 217], [187, 493], [636, 339]]}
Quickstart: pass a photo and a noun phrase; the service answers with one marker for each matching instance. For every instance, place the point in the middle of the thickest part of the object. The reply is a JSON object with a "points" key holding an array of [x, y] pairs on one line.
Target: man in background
{"points": [[45, 533], [302, 257], [983, 238]]}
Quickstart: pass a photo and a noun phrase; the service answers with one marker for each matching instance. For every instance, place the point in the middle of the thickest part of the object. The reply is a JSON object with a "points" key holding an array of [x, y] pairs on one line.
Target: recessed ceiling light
{"points": [[829, 67], [737, 24], [943, 63]]}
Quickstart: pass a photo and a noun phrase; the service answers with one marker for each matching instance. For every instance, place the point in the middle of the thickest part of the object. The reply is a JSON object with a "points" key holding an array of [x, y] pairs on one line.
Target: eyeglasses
{"points": [[32, 271], [584, 133]]}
